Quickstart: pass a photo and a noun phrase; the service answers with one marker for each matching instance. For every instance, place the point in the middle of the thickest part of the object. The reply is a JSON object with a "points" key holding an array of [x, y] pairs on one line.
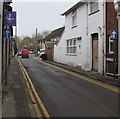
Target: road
{"points": [[65, 95]]}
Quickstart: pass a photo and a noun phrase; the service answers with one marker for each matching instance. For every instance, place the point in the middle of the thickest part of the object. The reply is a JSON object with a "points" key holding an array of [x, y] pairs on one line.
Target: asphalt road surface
{"points": [[65, 95]]}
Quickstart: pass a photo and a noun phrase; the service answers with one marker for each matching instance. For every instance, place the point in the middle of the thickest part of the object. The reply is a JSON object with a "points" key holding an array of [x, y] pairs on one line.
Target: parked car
{"points": [[19, 54], [43, 54], [31, 52], [25, 53]]}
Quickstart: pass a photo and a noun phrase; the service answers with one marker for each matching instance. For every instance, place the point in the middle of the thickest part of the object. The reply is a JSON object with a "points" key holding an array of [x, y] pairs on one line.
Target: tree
{"points": [[30, 43], [27, 43], [18, 41]]}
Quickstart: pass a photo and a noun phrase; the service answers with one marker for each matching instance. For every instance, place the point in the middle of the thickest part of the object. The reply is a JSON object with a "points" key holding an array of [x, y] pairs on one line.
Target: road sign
{"points": [[13, 43], [10, 18], [7, 33], [114, 35]]}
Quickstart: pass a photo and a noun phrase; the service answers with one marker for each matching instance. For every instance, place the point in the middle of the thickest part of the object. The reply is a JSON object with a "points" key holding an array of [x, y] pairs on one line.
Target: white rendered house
{"points": [[83, 41]]}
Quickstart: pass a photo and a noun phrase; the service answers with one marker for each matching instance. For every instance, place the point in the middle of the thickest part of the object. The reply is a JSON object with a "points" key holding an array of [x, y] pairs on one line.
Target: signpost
{"points": [[12, 43], [10, 18], [7, 34], [114, 37]]}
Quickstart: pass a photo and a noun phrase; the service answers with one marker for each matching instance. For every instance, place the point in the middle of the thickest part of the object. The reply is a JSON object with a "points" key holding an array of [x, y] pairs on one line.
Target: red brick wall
{"points": [[111, 20], [49, 53], [112, 24]]}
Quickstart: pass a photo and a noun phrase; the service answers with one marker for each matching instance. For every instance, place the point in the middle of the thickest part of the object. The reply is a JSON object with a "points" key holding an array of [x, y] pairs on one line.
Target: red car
{"points": [[25, 53]]}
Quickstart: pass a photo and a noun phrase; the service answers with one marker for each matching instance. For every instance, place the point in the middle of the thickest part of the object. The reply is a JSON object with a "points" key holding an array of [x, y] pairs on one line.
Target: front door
{"points": [[95, 52]]}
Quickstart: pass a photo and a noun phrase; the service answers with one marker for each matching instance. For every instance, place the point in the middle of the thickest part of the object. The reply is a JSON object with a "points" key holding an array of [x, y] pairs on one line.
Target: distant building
{"points": [[50, 40]]}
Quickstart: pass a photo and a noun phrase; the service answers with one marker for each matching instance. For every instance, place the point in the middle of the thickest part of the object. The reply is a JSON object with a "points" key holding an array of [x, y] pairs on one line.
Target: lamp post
{"points": [[1, 29], [36, 52], [117, 8]]}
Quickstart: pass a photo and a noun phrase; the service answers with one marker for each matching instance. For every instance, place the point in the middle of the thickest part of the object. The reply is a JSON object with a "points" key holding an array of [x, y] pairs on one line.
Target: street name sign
{"points": [[7, 34], [114, 35], [10, 18]]}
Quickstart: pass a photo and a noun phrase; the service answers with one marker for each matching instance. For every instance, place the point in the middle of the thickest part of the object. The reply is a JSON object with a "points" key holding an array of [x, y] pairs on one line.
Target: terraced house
{"points": [[86, 40]]}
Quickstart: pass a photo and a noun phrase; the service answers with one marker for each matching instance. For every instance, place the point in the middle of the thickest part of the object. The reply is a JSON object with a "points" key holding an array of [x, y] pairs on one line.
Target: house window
{"points": [[111, 45], [71, 46], [94, 7], [74, 19]]}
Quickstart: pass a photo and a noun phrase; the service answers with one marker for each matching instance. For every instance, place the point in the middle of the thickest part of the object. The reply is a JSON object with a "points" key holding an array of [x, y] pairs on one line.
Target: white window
{"points": [[74, 19], [71, 46], [94, 7], [111, 45]]}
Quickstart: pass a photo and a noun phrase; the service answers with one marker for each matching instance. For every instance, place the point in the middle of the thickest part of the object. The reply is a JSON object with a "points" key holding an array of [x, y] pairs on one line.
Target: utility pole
{"points": [[1, 29], [117, 8], [119, 44], [36, 52], [1, 35]]}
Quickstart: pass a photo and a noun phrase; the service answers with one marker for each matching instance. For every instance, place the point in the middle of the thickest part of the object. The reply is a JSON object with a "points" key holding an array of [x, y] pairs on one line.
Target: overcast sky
{"points": [[40, 15]]}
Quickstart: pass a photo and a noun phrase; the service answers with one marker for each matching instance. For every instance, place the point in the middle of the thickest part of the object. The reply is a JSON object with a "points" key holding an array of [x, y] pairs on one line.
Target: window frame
{"points": [[74, 19], [110, 41], [94, 4], [71, 47]]}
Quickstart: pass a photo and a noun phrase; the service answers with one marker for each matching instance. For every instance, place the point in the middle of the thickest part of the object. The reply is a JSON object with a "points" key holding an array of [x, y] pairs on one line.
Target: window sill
{"points": [[109, 59], [94, 12], [74, 26], [111, 52], [71, 54]]}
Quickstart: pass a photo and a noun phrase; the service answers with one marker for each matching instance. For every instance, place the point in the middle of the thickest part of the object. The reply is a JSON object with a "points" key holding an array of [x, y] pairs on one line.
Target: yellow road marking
{"points": [[107, 86], [30, 92], [36, 95]]}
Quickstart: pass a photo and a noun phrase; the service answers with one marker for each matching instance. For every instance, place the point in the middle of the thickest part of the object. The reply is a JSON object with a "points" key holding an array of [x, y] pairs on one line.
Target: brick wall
{"points": [[49, 53], [111, 25]]}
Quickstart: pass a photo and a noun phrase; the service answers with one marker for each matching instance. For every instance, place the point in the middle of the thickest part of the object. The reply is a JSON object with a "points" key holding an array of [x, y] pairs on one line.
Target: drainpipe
{"points": [[104, 37]]}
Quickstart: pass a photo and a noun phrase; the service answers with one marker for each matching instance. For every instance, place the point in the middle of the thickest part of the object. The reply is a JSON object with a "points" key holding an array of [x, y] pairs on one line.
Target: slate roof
{"points": [[56, 33]]}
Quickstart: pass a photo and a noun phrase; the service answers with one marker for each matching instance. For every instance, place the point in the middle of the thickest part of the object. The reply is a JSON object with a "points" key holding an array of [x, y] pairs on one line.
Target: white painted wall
{"points": [[95, 25], [84, 21]]}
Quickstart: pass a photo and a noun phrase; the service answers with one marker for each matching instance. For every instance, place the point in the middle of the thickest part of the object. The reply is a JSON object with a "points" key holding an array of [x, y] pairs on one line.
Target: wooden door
{"points": [[95, 52]]}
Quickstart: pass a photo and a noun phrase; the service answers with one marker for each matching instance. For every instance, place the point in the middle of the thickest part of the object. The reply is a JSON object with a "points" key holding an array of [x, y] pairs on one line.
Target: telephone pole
{"points": [[1, 29], [118, 16], [117, 8], [36, 52]]}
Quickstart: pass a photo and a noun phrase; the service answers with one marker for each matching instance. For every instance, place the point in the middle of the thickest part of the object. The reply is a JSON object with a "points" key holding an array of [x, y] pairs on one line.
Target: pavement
{"points": [[15, 97], [93, 75]]}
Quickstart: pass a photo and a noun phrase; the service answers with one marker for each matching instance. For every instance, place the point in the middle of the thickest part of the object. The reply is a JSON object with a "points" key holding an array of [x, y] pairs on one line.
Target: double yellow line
{"points": [[107, 86], [33, 93]]}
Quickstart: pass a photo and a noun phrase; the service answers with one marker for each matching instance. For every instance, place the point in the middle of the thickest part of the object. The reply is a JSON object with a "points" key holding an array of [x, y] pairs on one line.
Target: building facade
{"points": [[50, 40], [5, 44], [84, 41]]}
